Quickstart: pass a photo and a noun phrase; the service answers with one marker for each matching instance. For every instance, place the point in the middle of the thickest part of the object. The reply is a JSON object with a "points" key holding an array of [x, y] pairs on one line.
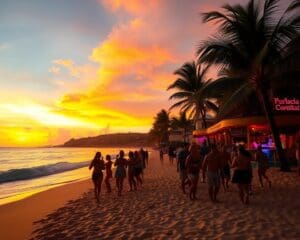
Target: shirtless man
{"points": [[211, 168]]}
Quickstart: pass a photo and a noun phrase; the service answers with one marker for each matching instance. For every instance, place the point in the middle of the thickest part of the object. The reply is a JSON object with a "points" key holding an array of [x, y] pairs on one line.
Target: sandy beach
{"points": [[158, 211]]}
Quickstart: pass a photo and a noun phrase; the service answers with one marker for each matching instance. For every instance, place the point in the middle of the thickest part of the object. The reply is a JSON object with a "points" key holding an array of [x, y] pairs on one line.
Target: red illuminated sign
{"points": [[287, 104]]}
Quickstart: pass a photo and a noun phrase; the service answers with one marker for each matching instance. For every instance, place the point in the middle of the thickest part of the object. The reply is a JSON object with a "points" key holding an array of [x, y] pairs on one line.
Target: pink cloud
{"points": [[136, 61]]}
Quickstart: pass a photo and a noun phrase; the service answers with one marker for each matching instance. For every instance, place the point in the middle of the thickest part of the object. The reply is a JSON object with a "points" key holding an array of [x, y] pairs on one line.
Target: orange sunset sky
{"points": [[72, 68]]}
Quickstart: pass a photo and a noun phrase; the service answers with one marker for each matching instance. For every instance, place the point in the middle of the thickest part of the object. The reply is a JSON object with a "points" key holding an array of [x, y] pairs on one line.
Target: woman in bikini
{"points": [[120, 174], [108, 176], [242, 174], [98, 164]]}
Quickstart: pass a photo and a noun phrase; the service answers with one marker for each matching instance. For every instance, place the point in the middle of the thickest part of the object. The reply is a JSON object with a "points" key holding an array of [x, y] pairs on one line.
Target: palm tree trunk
{"points": [[184, 135], [203, 113], [268, 108]]}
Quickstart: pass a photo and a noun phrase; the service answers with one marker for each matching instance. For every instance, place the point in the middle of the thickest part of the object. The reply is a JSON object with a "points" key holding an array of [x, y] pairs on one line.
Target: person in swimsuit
{"points": [[211, 167], [97, 176], [262, 165], [225, 171], [193, 165], [132, 183], [120, 174], [242, 174], [108, 176]]}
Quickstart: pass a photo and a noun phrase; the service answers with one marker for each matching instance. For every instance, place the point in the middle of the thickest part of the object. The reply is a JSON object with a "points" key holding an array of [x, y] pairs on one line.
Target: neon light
{"points": [[286, 104]]}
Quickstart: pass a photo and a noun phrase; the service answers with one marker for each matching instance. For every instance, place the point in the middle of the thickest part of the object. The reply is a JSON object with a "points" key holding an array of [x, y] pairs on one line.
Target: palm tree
{"points": [[190, 94], [252, 43], [182, 123], [160, 128]]}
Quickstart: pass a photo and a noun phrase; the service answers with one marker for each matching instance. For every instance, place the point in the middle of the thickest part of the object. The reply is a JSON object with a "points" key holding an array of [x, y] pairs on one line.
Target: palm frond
{"points": [[220, 51], [293, 6], [235, 100], [222, 86], [212, 106], [215, 15], [177, 104], [180, 84], [284, 20], [179, 95]]}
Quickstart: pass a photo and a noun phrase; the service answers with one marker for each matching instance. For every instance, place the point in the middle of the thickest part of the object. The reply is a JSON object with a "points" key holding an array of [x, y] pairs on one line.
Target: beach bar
{"points": [[253, 131]]}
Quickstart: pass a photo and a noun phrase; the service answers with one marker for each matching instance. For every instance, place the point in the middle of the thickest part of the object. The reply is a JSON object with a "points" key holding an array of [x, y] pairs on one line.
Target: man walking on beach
{"points": [[161, 155], [181, 167], [225, 171], [211, 168]]}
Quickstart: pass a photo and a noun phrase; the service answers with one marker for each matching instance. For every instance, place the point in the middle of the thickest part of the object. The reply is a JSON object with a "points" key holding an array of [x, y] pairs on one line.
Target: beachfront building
{"points": [[253, 130], [180, 135]]}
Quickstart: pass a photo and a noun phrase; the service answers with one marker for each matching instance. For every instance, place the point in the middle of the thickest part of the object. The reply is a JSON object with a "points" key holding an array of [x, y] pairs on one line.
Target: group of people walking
{"points": [[216, 163], [133, 167]]}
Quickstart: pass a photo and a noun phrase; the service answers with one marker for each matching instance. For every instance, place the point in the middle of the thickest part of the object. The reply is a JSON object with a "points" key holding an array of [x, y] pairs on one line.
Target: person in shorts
{"points": [[211, 168], [181, 167]]}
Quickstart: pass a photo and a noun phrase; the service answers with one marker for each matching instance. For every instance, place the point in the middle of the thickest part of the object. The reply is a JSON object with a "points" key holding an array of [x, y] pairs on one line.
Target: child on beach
{"points": [[108, 176], [98, 164], [120, 174]]}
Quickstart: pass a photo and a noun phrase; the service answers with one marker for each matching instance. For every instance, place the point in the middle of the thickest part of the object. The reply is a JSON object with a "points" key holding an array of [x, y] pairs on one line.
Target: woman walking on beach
{"points": [[97, 176], [108, 176], [242, 174], [138, 168], [193, 165], [121, 164], [131, 162], [262, 165]]}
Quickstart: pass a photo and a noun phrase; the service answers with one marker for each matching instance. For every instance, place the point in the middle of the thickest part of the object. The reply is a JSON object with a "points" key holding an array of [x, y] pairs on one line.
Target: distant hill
{"points": [[111, 140]]}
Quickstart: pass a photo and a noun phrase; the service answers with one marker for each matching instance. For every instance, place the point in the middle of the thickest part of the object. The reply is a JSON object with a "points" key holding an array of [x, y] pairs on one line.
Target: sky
{"points": [[73, 68]]}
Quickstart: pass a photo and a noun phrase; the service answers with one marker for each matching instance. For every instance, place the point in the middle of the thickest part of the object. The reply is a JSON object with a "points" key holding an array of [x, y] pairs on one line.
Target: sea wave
{"points": [[39, 171]]}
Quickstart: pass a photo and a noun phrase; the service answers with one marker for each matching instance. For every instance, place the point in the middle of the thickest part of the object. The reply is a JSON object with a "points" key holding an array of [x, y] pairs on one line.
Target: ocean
{"points": [[26, 171]]}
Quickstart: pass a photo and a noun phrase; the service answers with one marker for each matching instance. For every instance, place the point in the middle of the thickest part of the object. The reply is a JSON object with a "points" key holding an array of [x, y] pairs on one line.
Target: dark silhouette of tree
{"points": [[253, 42]]}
